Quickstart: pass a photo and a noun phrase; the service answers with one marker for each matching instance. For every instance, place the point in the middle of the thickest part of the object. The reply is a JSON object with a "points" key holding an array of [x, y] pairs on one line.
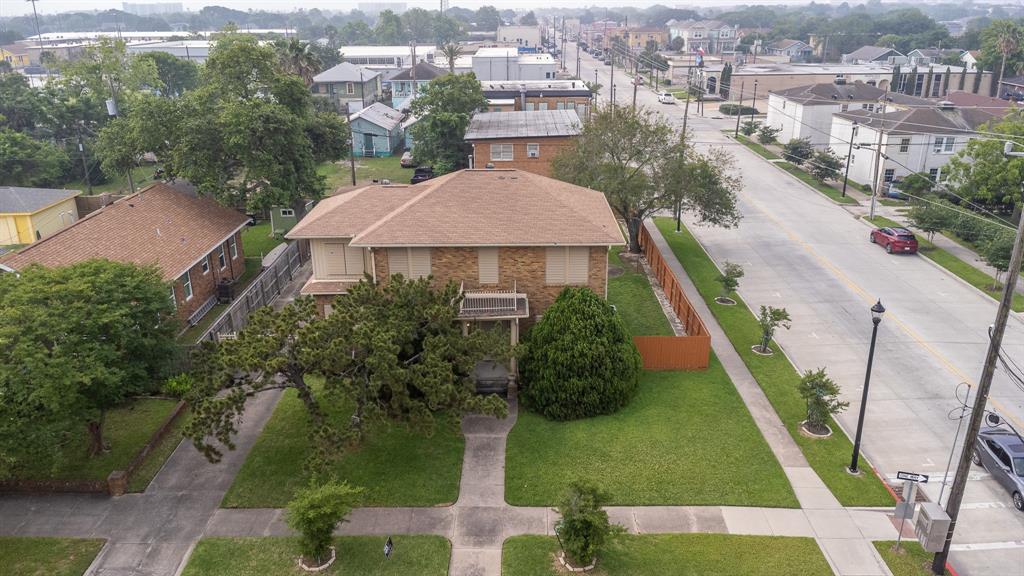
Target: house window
{"points": [[287, 213], [844, 107], [533, 150], [559, 105], [487, 261], [233, 247], [567, 265], [173, 299], [542, 106], [501, 152], [350, 88], [409, 262], [904, 144], [221, 260], [340, 260], [186, 285], [943, 145], [890, 173], [206, 264], [530, 107], [933, 174]]}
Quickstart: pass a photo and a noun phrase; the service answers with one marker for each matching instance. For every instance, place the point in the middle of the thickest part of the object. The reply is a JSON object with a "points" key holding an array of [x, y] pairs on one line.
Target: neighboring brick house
{"points": [[194, 242], [510, 239], [538, 95], [522, 140]]}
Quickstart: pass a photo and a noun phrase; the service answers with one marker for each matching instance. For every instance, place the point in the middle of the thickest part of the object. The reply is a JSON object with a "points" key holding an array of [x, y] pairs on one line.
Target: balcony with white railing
{"points": [[493, 303]]}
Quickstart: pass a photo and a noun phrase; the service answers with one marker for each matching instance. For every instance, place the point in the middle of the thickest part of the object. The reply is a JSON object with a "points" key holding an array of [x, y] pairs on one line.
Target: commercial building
{"points": [[520, 36], [387, 56], [508, 64], [192, 50], [538, 95]]}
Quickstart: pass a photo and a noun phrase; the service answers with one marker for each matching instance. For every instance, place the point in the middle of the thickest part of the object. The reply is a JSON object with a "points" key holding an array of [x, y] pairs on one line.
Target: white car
{"points": [[666, 98]]}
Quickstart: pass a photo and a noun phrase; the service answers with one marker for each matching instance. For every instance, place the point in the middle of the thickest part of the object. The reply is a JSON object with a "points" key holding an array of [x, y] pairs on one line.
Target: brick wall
{"points": [[551, 101], [549, 148], [523, 266], [205, 285]]}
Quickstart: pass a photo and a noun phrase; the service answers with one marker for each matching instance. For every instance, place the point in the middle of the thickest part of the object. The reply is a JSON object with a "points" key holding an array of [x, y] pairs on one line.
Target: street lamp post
{"points": [[849, 153], [876, 318], [739, 111], [753, 103]]}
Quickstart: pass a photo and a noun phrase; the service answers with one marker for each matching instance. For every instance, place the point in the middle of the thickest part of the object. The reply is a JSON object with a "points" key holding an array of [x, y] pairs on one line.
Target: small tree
{"points": [[798, 151], [766, 134], [931, 216], [579, 360], [315, 511], [770, 320], [826, 165], [729, 278], [749, 127], [584, 526], [996, 252], [822, 397]]}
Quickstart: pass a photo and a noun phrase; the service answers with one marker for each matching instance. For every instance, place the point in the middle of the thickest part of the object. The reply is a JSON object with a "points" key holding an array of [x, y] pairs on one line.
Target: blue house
{"points": [[407, 131], [419, 76], [376, 130]]}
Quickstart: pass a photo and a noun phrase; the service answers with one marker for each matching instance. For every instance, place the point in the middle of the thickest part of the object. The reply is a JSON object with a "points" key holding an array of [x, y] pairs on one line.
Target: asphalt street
{"points": [[803, 252]]}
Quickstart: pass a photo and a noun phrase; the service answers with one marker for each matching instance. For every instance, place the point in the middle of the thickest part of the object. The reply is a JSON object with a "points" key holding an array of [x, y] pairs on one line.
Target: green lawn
{"points": [[395, 466], [413, 555], [143, 176], [47, 556], [911, 560], [125, 429], [665, 447], [764, 152], [339, 174], [676, 554], [634, 300], [833, 193], [155, 461], [777, 378], [956, 266], [257, 241]]}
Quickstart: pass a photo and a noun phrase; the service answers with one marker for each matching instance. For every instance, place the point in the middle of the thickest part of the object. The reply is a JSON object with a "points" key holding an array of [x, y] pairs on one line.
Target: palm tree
{"points": [[451, 52], [1007, 36], [297, 57]]}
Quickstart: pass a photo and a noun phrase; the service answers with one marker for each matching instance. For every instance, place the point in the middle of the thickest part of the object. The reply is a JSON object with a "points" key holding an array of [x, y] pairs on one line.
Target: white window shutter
{"points": [[398, 261], [578, 268], [555, 272], [419, 262], [353, 261], [488, 263], [334, 254]]}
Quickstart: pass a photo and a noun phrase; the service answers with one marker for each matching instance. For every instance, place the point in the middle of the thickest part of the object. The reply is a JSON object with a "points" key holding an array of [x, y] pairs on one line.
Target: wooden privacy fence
{"points": [[689, 352]]}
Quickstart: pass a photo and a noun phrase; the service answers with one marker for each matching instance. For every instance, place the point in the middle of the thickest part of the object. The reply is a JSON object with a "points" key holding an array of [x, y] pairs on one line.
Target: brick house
{"points": [[512, 240], [194, 242], [538, 95], [522, 140]]}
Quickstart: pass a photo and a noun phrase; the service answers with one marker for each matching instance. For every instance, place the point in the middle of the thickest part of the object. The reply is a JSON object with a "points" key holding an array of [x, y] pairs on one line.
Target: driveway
{"points": [[802, 252]]}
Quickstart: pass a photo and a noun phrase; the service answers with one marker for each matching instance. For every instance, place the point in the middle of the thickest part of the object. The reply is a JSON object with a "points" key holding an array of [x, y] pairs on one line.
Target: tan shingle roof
{"points": [[158, 226], [467, 208]]}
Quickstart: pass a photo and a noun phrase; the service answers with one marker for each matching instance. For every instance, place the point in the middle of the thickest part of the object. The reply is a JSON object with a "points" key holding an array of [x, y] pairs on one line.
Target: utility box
{"points": [[932, 526]]}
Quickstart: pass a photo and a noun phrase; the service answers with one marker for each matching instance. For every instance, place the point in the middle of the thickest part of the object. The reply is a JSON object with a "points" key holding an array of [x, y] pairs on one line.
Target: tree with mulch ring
{"points": [[770, 319], [314, 513], [729, 278], [822, 396], [579, 360], [584, 527]]}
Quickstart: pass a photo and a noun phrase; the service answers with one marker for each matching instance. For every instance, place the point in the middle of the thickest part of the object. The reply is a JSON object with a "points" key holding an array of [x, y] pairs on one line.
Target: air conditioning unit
{"points": [[533, 154]]}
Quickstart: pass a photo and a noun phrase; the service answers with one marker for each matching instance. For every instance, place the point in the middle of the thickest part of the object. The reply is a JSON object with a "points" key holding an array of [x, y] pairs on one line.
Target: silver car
{"points": [[1001, 452]]}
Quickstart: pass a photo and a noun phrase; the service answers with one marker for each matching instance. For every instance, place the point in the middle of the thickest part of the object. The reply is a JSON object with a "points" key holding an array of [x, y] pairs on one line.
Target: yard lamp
{"points": [[876, 318]]}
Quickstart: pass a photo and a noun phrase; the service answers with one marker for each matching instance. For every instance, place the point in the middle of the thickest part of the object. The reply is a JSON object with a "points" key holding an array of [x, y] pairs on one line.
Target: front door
{"points": [[367, 144]]}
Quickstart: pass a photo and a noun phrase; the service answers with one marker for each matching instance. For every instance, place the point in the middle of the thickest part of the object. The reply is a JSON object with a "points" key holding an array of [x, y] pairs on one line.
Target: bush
{"points": [[798, 151], [865, 187], [584, 526], [315, 511], [579, 360], [177, 386], [822, 397], [826, 165], [734, 109], [749, 127], [766, 134]]}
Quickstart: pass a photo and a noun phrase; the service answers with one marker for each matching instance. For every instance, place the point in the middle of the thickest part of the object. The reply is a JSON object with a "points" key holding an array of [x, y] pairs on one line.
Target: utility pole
{"points": [[738, 110], [878, 156], [753, 103], [679, 205], [412, 71], [849, 153], [636, 84], [563, 42], [85, 164], [578, 59], [956, 493], [612, 81]]}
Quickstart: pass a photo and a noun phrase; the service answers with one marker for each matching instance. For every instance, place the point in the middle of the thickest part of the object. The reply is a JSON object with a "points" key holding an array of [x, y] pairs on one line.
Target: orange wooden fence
{"points": [[690, 352]]}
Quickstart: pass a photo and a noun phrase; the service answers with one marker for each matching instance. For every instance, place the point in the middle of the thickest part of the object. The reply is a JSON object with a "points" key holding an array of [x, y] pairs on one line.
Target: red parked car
{"points": [[895, 240]]}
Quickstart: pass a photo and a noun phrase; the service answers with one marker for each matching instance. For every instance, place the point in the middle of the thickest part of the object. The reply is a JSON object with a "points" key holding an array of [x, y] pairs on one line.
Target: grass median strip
{"points": [[47, 556], [777, 377], [911, 560], [826, 189], [683, 554], [954, 265], [759, 149], [686, 438], [414, 555]]}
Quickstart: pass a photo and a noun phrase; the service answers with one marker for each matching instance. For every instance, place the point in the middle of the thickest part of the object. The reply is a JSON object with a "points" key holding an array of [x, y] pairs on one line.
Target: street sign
{"points": [[912, 477], [389, 547]]}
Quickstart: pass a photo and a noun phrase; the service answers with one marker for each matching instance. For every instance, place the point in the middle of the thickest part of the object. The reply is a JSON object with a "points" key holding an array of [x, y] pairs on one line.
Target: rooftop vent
{"points": [[839, 80]]}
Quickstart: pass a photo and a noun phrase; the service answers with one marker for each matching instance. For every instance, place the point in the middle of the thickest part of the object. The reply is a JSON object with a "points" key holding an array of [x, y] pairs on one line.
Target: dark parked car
{"points": [[895, 240], [1001, 452], [422, 174]]}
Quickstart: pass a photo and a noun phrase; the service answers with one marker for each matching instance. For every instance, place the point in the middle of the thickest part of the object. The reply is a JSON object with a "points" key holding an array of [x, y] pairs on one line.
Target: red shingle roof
{"points": [[157, 226]]}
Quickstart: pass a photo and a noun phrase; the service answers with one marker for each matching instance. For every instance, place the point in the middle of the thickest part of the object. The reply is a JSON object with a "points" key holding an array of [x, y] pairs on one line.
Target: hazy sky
{"points": [[19, 7]]}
